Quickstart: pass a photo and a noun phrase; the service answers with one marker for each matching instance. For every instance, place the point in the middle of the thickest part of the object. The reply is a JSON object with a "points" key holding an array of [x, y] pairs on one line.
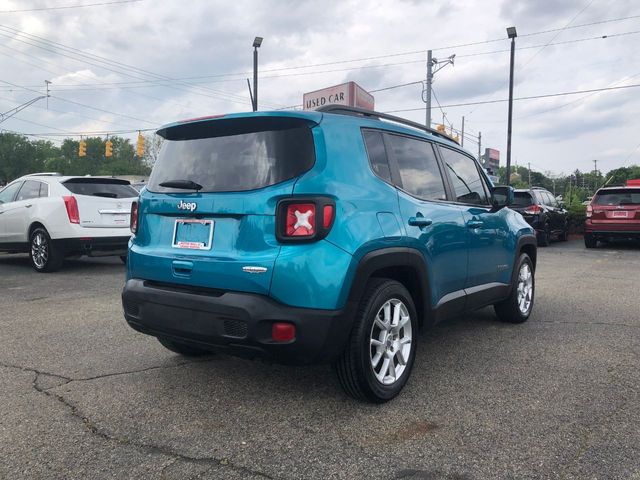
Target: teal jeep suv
{"points": [[320, 236]]}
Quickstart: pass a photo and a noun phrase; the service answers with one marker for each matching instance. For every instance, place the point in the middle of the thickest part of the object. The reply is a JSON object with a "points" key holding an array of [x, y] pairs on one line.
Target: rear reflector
{"points": [[71, 204], [301, 220], [133, 219], [327, 215], [283, 332]]}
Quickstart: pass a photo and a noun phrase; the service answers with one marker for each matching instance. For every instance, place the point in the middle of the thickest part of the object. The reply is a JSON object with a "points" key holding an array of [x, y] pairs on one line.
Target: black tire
{"points": [[544, 237], [354, 368], [564, 235], [509, 310], [44, 255], [124, 259], [590, 241], [183, 348]]}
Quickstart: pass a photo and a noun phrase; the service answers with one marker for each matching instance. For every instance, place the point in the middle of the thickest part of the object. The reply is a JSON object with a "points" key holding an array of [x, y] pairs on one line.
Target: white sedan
{"points": [[52, 217]]}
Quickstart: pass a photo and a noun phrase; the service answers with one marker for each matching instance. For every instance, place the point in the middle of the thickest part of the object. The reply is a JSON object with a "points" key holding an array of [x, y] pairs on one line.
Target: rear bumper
{"points": [[610, 229], [94, 247], [235, 322]]}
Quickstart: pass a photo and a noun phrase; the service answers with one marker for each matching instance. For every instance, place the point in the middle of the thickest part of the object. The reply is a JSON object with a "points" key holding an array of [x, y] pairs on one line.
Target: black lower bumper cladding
{"points": [[235, 322]]}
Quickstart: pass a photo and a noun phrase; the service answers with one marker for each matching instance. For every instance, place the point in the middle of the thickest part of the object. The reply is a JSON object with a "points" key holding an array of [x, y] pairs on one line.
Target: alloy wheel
{"points": [[391, 341], [39, 250], [525, 288]]}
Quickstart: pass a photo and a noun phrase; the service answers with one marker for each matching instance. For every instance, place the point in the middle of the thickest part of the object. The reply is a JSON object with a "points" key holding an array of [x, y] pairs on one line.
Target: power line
{"points": [[557, 34], [15, 31], [88, 132], [66, 7], [532, 97], [82, 104], [112, 65], [75, 114], [168, 82]]}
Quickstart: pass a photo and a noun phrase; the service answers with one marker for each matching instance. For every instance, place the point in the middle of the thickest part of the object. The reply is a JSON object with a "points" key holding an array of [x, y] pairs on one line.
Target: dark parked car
{"points": [[543, 212], [614, 212]]}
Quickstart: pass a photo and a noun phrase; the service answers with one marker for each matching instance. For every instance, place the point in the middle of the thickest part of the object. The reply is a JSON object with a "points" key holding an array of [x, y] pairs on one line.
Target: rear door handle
{"points": [[29, 205], [474, 223], [420, 222]]}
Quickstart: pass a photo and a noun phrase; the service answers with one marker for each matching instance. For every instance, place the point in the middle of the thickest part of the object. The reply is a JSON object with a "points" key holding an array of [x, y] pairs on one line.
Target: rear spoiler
{"points": [[209, 127]]}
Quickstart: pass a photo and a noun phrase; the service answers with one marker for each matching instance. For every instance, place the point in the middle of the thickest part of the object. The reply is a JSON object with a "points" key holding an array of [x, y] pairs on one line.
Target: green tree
{"points": [[19, 156]]}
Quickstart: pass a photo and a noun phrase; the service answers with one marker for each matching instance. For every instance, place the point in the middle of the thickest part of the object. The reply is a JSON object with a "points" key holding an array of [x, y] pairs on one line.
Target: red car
{"points": [[614, 212]]}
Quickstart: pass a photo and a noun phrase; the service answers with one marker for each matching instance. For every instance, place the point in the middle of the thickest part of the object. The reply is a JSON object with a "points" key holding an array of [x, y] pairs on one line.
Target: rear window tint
{"points": [[100, 188], [522, 199], [264, 154], [377, 154], [618, 197]]}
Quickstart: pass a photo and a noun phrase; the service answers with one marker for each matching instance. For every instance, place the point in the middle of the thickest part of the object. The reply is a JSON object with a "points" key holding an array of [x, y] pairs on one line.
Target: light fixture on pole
{"points": [[512, 34], [256, 44]]}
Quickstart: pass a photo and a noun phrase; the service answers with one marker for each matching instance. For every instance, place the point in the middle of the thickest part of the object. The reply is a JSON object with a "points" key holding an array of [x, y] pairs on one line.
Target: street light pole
{"points": [[512, 34], [256, 44]]}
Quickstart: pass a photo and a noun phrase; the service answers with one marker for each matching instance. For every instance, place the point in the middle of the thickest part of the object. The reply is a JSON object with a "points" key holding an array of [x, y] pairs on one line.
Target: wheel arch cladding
{"points": [[404, 265], [528, 245]]}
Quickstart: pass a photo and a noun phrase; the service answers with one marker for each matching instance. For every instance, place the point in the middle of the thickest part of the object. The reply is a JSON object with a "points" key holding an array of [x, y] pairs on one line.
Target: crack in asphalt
{"points": [[106, 436]]}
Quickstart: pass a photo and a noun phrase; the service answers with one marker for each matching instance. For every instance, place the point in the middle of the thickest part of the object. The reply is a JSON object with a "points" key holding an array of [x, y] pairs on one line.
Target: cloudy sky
{"points": [[137, 64]]}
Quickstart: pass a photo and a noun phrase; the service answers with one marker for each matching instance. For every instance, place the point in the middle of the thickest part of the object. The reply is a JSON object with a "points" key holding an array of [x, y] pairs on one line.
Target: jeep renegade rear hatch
{"points": [[208, 215]]}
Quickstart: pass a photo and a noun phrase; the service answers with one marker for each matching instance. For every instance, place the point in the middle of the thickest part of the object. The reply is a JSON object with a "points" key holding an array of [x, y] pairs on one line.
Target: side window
{"points": [[465, 177], [30, 189], [419, 171], [44, 190], [9, 192], [377, 154], [551, 199]]}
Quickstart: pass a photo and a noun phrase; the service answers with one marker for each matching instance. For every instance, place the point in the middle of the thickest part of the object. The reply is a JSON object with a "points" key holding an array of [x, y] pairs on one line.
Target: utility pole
{"points": [[462, 133], [429, 81], [480, 147], [426, 93], [47, 83], [511, 33], [529, 174]]}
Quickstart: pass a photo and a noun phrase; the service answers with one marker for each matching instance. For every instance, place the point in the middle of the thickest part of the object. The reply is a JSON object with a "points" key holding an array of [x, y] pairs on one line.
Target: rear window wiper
{"points": [[186, 184]]}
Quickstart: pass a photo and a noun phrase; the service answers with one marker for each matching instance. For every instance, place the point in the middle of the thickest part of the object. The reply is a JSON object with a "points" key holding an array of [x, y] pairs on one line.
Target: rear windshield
{"points": [[626, 196], [97, 187], [243, 156], [522, 199]]}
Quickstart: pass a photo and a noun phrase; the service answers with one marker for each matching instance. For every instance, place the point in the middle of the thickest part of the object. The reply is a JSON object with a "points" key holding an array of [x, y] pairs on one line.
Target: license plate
{"points": [[617, 214], [193, 234]]}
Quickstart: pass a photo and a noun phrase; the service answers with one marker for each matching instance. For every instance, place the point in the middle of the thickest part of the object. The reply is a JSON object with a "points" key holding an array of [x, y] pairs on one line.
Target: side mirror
{"points": [[501, 197]]}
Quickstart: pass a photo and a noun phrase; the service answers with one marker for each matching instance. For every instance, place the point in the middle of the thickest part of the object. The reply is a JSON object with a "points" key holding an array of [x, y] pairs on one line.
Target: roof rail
{"points": [[355, 111], [44, 174]]}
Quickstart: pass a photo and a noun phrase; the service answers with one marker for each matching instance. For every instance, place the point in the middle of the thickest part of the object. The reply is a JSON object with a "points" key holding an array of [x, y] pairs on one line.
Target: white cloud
{"points": [[169, 39]]}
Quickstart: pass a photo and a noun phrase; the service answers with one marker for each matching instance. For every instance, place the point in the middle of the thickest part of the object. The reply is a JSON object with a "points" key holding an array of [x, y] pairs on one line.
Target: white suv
{"points": [[53, 217]]}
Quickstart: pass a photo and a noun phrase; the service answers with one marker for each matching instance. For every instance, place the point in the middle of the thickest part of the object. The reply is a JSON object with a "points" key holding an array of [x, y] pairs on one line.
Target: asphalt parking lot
{"points": [[84, 396]]}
